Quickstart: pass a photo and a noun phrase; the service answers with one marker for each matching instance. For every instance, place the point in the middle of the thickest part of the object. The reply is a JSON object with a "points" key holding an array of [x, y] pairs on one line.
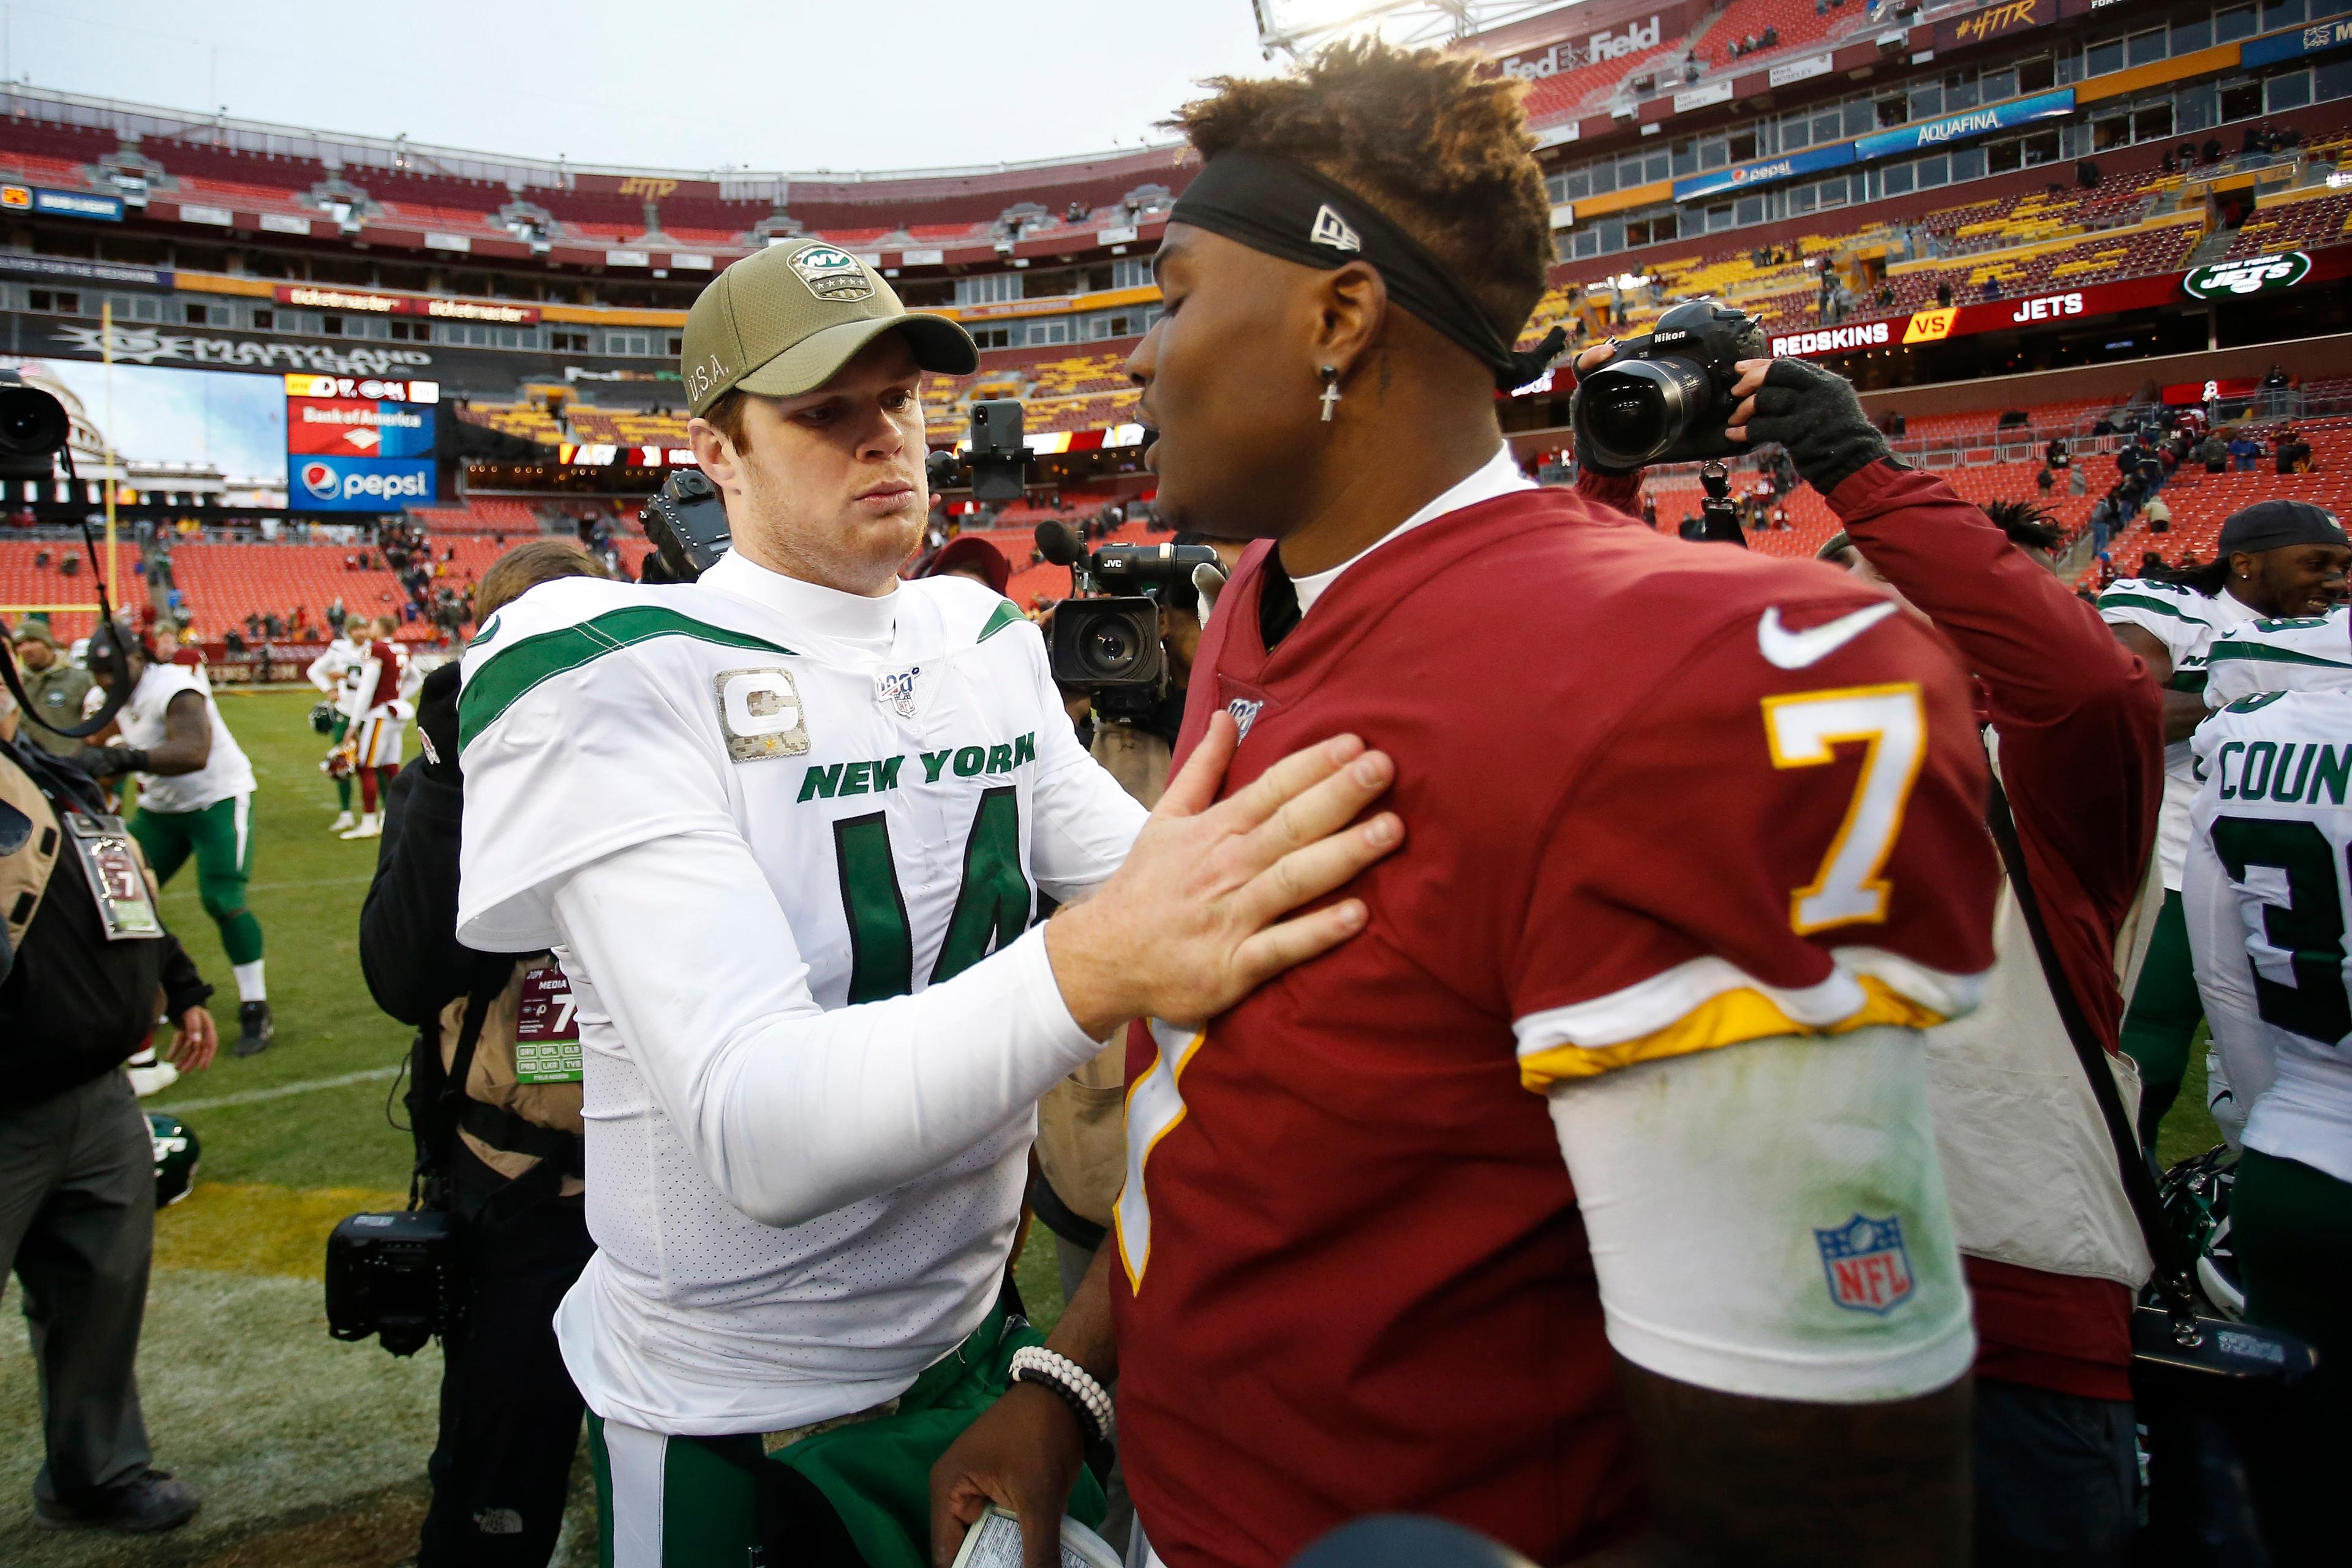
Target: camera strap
{"points": [[2168, 1337], [1286, 210]]}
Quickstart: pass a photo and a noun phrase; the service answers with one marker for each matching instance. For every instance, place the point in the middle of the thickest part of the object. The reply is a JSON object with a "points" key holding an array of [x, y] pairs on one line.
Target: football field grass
{"points": [[309, 1451]]}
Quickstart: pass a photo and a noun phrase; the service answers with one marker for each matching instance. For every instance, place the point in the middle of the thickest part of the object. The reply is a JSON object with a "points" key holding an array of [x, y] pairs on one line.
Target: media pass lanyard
{"points": [[547, 1028], [109, 866]]}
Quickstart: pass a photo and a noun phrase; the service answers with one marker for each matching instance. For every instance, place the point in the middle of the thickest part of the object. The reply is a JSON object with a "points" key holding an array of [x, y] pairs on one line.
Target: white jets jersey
{"points": [[225, 772], [2269, 903], [336, 673], [2309, 653], [2186, 622], [905, 797]]}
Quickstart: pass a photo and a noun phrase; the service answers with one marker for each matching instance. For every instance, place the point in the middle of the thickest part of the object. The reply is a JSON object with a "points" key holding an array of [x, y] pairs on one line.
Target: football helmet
{"points": [[177, 1153], [323, 717], [2194, 1196]]}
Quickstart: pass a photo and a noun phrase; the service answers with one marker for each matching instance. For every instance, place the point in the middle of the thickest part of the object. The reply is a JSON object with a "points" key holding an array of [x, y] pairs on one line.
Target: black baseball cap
{"points": [[2277, 524]]}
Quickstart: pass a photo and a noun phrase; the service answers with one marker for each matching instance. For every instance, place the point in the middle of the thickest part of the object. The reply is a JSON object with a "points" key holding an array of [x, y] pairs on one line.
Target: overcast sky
{"points": [[790, 84]]}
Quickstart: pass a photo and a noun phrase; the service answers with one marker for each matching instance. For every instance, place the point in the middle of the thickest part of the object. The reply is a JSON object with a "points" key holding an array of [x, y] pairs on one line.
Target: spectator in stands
{"points": [[2244, 451], [2212, 150], [2078, 483], [2275, 393], [2056, 454], [2044, 478], [2104, 520], [1991, 289], [2158, 514], [1944, 295], [2294, 453], [2214, 452]]}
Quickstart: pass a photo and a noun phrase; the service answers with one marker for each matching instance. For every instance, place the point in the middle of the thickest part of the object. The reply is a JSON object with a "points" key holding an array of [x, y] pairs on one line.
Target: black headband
{"points": [[1297, 215]]}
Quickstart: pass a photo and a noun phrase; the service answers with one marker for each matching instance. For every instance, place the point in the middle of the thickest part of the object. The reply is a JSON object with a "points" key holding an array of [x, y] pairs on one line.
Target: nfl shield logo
{"points": [[1244, 713], [896, 690], [1868, 1269]]}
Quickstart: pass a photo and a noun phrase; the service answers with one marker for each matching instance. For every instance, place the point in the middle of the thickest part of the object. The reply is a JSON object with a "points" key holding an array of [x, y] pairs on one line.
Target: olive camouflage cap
{"points": [[782, 321]]}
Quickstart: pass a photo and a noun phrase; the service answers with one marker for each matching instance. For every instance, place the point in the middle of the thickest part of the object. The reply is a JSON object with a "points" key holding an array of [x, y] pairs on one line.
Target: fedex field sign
{"points": [[1600, 47]]}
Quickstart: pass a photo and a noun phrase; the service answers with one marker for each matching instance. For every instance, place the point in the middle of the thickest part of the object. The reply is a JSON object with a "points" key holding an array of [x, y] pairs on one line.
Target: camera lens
{"points": [[1110, 648], [1628, 415], [1631, 413], [32, 423]]}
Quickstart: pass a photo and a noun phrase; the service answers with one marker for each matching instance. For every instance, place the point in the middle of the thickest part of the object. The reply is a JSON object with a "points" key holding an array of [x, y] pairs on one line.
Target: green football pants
{"points": [[342, 785], [2291, 1227], [220, 838], [2163, 1017], [672, 1502]]}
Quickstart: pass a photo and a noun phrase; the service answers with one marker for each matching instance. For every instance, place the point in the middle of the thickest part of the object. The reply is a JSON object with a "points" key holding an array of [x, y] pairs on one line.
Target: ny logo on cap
{"points": [[1331, 229], [833, 274]]}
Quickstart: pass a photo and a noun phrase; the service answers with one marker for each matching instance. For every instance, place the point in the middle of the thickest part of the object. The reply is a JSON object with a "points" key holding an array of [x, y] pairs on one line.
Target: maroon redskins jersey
{"points": [[389, 664], [1659, 798]]}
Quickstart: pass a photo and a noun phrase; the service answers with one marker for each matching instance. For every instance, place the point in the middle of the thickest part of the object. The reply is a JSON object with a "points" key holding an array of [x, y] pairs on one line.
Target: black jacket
{"points": [[409, 949], [74, 1004]]}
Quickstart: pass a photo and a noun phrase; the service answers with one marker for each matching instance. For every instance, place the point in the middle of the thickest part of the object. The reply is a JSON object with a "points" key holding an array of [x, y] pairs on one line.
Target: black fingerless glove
{"points": [[437, 723], [109, 762], [1814, 413]]}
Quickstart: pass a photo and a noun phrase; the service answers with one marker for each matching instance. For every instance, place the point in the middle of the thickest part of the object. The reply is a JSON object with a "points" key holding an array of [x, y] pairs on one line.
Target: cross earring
{"points": [[1330, 397]]}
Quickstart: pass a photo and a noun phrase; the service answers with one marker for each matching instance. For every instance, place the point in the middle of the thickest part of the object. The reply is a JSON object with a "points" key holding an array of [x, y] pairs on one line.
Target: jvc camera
{"points": [[1666, 396], [1106, 636]]}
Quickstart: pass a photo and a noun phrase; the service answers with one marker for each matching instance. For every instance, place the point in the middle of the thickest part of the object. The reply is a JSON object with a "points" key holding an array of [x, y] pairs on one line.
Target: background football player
{"points": [[382, 694], [196, 801], [1626, 1060], [334, 672], [2280, 558], [785, 827], [2265, 897]]}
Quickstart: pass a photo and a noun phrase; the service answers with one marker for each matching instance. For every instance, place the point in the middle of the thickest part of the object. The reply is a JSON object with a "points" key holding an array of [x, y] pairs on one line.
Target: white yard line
{"points": [[255, 1095]]}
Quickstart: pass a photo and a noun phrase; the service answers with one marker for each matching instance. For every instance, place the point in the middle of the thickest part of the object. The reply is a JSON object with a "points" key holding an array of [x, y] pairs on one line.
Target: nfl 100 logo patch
{"points": [[894, 689], [1868, 1268]]}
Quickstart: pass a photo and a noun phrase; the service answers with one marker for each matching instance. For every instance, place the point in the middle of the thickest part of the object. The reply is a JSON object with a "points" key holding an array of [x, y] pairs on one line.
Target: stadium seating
{"points": [[2300, 218], [492, 515], [23, 583]]}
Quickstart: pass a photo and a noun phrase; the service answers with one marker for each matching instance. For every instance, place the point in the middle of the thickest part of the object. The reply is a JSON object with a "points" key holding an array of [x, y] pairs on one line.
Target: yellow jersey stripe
{"points": [[1730, 1018]]}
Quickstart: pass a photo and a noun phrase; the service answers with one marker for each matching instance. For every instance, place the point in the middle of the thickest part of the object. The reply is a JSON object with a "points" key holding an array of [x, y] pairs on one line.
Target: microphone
{"points": [[1059, 543]]}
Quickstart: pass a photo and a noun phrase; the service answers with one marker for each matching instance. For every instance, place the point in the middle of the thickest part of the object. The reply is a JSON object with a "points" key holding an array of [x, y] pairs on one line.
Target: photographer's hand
{"points": [[1811, 411], [1189, 926], [193, 1041]]}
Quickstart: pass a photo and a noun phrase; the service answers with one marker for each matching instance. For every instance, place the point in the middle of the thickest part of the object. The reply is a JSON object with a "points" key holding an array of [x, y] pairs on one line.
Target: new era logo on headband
{"points": [[1331, 229]]}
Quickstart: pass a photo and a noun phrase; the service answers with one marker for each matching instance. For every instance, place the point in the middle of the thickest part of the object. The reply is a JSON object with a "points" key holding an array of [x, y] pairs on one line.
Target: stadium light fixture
{"points": [[1298, 28]]}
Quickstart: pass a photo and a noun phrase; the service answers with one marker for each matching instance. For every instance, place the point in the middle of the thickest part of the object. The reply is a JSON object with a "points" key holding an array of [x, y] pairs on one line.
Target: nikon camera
{"points": [[1666, 396]]}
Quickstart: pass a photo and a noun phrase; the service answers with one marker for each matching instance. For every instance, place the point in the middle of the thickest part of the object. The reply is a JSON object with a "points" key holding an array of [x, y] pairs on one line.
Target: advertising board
{"points": [[327, 483], [1767, 170], [1960, 127]]}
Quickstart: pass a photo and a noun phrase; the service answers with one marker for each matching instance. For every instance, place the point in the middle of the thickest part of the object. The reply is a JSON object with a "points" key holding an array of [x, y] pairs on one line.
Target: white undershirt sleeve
{"points": [[791, 1110], [1769, 1219], [2217, 946]]}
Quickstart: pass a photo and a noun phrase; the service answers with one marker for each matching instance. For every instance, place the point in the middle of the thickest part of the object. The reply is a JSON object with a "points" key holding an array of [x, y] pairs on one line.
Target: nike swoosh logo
{"points": [[1795, 650]]}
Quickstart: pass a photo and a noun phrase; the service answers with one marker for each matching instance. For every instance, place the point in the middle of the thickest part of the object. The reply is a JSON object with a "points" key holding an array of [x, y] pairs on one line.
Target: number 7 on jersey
{"points": [[1804, 730]]}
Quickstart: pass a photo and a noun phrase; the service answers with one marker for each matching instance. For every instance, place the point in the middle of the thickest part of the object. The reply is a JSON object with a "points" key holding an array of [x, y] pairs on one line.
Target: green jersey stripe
{"points": [[2269, 653], [514, 671], [1004, 615], [2115, 601]]}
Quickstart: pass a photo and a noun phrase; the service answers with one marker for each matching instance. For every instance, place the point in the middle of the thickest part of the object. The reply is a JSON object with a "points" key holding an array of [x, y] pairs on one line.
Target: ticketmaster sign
{"points": [[1962, 127]]}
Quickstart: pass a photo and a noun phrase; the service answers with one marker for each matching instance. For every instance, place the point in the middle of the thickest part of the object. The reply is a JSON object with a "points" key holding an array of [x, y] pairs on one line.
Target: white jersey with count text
{"points": [[2186, 622], [2269, 903], [225, 772], [902, 797]]}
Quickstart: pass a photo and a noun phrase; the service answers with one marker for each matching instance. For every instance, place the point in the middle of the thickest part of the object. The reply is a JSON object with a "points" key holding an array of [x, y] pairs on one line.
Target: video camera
{"points": [[997, 455], [1107, 635]]}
